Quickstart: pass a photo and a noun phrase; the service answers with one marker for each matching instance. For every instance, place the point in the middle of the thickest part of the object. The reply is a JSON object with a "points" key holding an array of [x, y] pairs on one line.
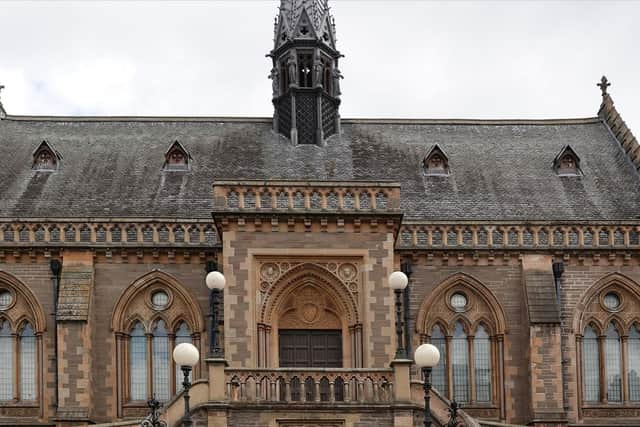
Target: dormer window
{"points": [[567, 162], [45, 158], [177, 158], [436, 162]]}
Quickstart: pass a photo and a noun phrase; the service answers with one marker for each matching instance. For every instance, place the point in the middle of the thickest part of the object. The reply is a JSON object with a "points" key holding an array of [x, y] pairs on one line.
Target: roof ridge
{"points": [[377, 120]]}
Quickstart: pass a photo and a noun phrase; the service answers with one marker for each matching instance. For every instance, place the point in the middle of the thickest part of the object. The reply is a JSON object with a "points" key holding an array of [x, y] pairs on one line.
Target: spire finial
{"points": [[604, 84]]}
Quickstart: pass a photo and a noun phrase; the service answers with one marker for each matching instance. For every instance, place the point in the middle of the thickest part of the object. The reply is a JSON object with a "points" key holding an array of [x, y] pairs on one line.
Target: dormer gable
{"points": [[567, 162], [46, 158], [436, 162], [177, 158]]}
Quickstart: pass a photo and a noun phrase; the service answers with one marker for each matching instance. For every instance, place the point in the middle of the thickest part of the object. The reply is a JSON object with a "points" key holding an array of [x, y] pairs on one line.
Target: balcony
{"points": [[293, 386]]}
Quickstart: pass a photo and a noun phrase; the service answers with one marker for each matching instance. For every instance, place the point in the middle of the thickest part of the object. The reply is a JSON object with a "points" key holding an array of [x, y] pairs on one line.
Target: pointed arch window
{"points": [[609, 346], [27, 363], [6, 367], [482, 364], [439, 374], [23, 386], [633, 356], [138, 363], [460, 363], [469, 333], [151, 368], [160, 361], [612, 364], [591, 364]]}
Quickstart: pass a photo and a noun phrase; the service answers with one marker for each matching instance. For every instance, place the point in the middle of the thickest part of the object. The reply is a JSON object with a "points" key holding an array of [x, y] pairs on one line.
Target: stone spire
{"points": [[305, 74], [304, 20]]}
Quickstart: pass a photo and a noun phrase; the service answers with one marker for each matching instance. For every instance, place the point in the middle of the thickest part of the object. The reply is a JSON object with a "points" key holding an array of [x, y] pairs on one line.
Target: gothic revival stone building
{"points": [[520, 237]]}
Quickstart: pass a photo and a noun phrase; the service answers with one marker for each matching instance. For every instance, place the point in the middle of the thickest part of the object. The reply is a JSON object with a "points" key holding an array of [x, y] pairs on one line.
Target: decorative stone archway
{"points": [[309, 296]]}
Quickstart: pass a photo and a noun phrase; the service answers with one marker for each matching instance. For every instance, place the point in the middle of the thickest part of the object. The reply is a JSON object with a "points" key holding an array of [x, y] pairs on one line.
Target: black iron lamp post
{"points": [[398, 281], [427, 356], [186, 355], [215, 282]]}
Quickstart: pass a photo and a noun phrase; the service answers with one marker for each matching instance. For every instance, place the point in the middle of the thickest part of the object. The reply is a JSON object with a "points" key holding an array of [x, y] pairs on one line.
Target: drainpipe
{"points": [[558, 270], [56, 268], [405, 267]]}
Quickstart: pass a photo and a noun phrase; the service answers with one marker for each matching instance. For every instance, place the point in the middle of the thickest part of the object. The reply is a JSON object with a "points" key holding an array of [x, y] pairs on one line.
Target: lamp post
{"points": [[215, 282], [186, 355], [426, 357], [398, 281]]}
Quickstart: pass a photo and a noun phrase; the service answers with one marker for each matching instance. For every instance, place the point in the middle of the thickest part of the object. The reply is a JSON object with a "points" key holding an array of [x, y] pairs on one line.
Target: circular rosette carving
{"points": [[347, 272], [310, 305], [269, 272]]}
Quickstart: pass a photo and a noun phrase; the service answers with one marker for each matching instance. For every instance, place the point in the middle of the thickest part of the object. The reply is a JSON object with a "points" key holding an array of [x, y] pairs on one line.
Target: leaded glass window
{"points": [[633, 356], [27, 363], [460, 364], [439, 373], [160, 362], [183, 334], [6, 367], [591, 365], [138, 363], [612, 364], [482, 365]]}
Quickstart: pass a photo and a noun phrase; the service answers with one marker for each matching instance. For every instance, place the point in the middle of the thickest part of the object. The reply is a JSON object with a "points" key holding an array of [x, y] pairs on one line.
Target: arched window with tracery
{"points": [[591, 364], [463, 319], [633, 356], [608, 342], [165, 315], [460, 363], [22, 323], [439, 374]]}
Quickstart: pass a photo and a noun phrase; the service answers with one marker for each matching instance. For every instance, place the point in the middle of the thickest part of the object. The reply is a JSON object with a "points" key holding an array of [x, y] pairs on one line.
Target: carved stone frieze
{"points": [[347, 272]]}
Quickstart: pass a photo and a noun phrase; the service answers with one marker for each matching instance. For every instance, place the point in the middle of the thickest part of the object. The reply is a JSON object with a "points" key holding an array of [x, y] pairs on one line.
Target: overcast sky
{"points": [[428, 59]]}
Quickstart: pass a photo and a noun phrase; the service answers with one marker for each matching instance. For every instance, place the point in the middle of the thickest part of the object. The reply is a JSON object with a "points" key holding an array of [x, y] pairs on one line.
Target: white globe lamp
{"points": [[215, 281], [398, 280], [186, 354], [427, 356]]}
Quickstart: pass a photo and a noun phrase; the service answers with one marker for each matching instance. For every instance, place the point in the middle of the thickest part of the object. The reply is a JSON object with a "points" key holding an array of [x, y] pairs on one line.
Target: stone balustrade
{"points": [[518, 236], [290, 385], [307, 196], [108, 234]]}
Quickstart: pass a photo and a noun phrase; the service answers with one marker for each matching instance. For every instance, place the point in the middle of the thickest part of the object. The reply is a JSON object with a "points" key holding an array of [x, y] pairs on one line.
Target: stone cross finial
{"points": [[604, 84]]}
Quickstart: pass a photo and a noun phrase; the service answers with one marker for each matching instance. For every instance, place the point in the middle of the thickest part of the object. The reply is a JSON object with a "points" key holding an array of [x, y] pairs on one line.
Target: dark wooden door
{"points": [[310, 349]]}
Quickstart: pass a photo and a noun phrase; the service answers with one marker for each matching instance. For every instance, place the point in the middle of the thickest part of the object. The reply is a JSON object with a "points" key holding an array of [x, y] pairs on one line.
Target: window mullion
{"points": [[172, 367], [16, 366], [472, 371], [449, 372], [602, 366], [625, 369], [149, 366]]}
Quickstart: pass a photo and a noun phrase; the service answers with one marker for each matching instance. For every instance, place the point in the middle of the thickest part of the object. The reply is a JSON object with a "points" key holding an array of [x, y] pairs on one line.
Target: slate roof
{"points": [[112, 167]]}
